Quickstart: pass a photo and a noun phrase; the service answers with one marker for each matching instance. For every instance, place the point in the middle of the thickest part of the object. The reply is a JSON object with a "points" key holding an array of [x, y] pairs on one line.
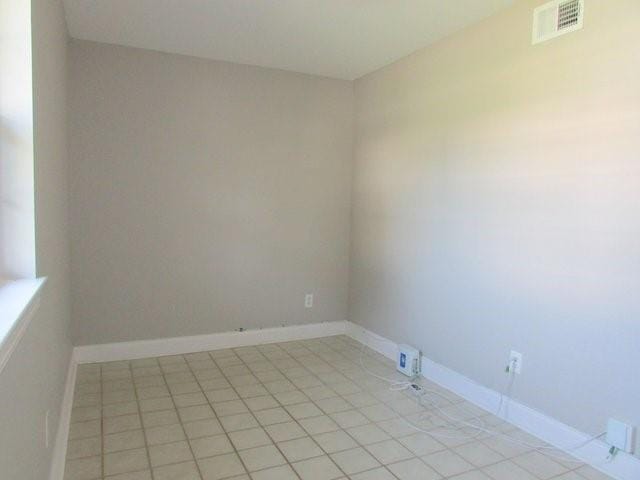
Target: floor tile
{"points": [[591, 473], [337, 441], [333, 405], [242, 421], [211, 446], [378, 413], [121, 424], [253, 437], [156, 404], [249, 391], [90, 428], [222, 395], [285, 431], [222, 466], [152, 392], [319, 392], [202, 428], [84, 447], [164, 434], [414, 469], [569, 476], [396, 427], [505, 447], [184, 388], [304, 410], [349, 418], [291, 398], [507, 470], [263, 402], [191, 414], [283, 472], [421, 444], [447, 463], [272, 416], [126, 461], [169, 453], [117, 409], [163, 417], [317, 425], [151, 381], [178, 471], [300, 449], [319, 468], [118, 396], [375, 474], [389, 451], [142, 475], [478, 454], [83, 469], [231, 407], [82, 414], [189, 399], [259, 458], [354, 460], [305, 402], [129, 440], [540, 465], [472, 475], [366, 434]]}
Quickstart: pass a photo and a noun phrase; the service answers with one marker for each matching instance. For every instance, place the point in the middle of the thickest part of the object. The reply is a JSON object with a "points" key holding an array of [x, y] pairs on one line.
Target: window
{"points": [[18, 283]]}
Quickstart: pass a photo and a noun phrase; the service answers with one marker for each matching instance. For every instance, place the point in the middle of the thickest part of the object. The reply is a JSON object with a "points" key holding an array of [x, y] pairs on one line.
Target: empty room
{"points": [[319, 239]]}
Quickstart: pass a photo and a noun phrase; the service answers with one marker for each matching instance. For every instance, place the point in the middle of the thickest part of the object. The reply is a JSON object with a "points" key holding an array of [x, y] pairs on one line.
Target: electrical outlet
{"points": [[46, 429], [308, 300], [515, 362]]}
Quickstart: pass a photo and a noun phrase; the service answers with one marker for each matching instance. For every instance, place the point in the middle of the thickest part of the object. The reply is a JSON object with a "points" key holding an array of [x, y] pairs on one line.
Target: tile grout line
{"points": [[144, 430], [233, 387], [285, 409], [280, 370], [214, 413]]}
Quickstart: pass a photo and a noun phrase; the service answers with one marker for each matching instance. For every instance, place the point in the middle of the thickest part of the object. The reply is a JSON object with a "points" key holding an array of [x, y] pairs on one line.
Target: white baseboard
{"points": [[64, 420], [623, 467], [178, 345]]}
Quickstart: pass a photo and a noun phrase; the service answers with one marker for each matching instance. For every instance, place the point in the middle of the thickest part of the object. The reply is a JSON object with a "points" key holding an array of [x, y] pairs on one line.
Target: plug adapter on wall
{"points": [[620, 435]]}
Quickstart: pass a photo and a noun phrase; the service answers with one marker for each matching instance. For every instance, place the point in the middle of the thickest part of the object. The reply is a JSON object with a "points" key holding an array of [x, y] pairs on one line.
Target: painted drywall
{"points": [[496, 206], [32, 382], [206, 196]]}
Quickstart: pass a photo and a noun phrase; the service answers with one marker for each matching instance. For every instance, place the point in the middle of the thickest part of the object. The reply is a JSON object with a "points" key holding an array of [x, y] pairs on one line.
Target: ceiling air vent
{"points": [[557, 18]]}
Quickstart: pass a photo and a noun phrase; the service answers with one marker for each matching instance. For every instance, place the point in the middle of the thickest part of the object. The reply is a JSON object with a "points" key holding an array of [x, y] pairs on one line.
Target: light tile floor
{"points": [[296, 410]]}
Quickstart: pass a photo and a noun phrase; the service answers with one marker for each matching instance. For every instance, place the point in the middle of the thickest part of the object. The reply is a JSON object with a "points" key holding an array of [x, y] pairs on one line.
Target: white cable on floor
{"points": [[405, 385]]}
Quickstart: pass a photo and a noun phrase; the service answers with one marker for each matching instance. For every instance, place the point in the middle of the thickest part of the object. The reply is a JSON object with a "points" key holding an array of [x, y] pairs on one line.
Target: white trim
{"points": [[178, 345], [623, 467], [19, 301], [64, 421]]}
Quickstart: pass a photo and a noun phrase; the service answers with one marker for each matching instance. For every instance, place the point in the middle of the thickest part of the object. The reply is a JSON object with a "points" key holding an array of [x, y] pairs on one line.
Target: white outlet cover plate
{"points": [[517, 356], [308, 300]]}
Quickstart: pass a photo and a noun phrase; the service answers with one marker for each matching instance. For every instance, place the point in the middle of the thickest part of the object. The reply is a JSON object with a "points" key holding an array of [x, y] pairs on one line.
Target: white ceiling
{"points": [[334, 38]]}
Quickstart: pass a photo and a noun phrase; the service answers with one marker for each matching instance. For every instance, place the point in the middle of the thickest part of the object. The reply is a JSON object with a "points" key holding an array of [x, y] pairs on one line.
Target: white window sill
{"points": [[19, 300]]}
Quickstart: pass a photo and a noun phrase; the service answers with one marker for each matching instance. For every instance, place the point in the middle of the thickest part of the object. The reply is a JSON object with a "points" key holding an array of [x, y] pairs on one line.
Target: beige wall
{"points": [[32, 383], [207, 196], [496, 205]]}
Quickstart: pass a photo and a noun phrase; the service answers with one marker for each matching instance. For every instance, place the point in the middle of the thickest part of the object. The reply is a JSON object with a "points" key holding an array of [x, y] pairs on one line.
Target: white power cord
{"points": [[480, 429]]}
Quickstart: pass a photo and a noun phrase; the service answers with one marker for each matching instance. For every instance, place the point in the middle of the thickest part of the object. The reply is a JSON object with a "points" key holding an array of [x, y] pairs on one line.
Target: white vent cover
{"points": [[557, 18]]}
